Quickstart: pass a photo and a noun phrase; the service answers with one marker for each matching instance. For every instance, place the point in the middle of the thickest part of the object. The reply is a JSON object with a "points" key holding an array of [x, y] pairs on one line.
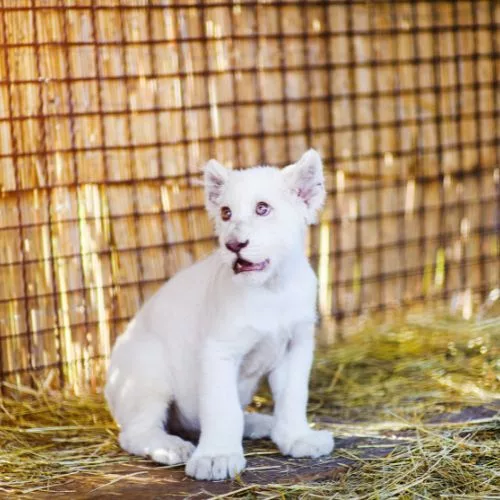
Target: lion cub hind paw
{"points": [[313, 444], [257, 426], [159, 446], [173, 454]]}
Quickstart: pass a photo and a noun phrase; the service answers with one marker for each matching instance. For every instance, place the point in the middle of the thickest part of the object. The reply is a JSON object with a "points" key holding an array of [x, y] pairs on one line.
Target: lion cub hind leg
{"points": [[146, 436], [138, 394], [257, 426]]}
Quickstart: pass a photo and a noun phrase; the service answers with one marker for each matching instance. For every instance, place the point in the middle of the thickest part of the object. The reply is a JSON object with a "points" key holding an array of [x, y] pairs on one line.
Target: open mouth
{"points": [[243, 266]]}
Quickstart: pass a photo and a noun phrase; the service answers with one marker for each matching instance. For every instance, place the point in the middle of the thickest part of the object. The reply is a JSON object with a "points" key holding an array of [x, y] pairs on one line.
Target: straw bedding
{"points": [[430, 383]]}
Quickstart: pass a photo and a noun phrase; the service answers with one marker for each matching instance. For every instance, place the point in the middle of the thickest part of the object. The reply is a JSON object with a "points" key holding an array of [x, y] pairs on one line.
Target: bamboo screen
{"points": [[109, 109]]}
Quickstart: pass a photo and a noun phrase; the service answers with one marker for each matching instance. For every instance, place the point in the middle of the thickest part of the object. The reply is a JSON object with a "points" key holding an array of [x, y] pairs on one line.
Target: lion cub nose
{"points": [[235, 245]]}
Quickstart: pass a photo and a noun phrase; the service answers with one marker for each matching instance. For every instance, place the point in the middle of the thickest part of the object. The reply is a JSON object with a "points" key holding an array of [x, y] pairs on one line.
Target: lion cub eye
{"points": [[225, 213], [262, 208]]}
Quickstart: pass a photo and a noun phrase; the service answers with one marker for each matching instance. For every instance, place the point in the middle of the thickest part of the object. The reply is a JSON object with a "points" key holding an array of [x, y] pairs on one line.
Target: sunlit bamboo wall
{"points": [[109, 109]]}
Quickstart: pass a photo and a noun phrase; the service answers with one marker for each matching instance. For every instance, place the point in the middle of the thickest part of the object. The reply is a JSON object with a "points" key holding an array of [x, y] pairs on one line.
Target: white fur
{"points": [[207, 337]]}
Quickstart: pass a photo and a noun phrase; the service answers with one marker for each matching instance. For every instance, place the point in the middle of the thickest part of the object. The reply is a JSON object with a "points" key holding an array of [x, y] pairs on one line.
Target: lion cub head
{"points": [[261, 213]]}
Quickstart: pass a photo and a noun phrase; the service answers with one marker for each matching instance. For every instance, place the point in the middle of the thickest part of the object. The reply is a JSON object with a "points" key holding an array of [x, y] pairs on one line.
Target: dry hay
{"points": [[393, 381]]}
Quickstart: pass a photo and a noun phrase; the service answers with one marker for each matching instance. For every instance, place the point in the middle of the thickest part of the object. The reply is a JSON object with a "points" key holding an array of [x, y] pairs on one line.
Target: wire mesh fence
{"points": [[109, 109]]}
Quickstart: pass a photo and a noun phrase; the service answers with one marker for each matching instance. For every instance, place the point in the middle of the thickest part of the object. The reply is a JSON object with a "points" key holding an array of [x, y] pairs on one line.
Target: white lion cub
{"points": [[191, 359]]}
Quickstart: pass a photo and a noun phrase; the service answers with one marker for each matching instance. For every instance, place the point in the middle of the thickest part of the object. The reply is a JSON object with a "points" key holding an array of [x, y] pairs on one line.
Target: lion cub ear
{"points": [[215, 178], [305, 181]]}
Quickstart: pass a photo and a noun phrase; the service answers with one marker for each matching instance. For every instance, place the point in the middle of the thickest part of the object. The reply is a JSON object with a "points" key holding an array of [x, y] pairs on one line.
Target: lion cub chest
{"points": [[264, 356], [260, 361]]}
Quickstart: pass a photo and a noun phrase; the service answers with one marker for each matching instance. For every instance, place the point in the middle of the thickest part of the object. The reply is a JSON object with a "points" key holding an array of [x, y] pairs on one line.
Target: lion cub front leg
{"points": [[289, 384], [219, 454]]}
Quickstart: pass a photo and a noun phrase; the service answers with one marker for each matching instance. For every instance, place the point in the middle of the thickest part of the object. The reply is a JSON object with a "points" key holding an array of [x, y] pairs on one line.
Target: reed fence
{"points": [[109, 109]]}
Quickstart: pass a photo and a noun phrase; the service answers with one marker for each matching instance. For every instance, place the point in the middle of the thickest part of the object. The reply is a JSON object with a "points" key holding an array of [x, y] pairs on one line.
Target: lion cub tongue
{"points": [[242, 265]]}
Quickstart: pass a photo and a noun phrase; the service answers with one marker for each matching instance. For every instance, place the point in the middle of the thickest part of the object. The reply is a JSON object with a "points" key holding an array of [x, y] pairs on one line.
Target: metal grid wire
{"points": [[108, 110]]}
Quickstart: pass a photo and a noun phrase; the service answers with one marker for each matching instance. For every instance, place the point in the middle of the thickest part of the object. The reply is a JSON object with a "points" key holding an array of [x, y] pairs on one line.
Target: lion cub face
{"points": [[261, 213]]}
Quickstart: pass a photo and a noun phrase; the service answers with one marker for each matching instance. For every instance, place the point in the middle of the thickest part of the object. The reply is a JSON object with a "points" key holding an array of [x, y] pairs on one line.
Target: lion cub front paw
{"points": [[215, 467], [310, 444]]}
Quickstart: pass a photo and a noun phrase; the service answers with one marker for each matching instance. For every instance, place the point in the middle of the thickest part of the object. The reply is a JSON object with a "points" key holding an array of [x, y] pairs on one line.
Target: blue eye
{"points": [[262, 209]]}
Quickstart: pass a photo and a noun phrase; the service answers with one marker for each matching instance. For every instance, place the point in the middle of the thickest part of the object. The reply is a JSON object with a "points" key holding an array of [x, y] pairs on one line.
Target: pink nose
{"points": [[235, 245]]}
